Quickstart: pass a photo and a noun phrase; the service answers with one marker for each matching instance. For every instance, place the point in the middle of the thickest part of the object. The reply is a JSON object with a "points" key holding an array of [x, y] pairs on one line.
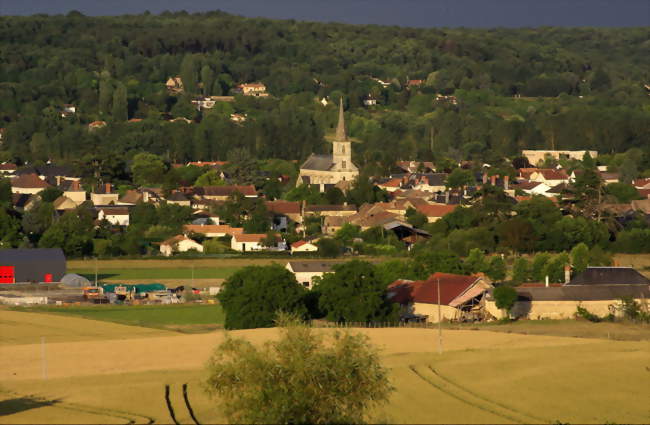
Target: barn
{"points": [[31, 265]]}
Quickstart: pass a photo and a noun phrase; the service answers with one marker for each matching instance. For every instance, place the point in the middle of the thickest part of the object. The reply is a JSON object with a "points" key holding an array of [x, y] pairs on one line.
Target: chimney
{"points": [[567, 273], [446, 197], [506, 182], [75, 185], [145, 196], [485, 177], [546, 281], [58, 180], [107, 188], [493, 180]]}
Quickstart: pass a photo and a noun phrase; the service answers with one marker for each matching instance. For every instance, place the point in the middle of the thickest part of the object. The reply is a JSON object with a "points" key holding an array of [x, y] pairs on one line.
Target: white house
{"points": [[212, 230], [303, 246], [118, 216], [29, 184], [179, 243], [306, 271], [243, 242], [104, 195]]}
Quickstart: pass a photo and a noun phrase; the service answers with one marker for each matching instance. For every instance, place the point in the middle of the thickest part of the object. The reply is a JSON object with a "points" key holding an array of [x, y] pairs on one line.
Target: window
{"points": [[343, 164], [343, 150]]}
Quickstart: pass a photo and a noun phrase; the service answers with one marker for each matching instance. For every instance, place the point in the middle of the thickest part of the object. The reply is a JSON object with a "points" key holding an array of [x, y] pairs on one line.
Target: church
{"points": [[335, 169]]}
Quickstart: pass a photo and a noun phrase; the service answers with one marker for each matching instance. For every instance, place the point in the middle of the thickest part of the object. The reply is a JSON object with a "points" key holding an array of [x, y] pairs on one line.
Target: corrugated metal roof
{"points": [[609, 276], [13, 256]]}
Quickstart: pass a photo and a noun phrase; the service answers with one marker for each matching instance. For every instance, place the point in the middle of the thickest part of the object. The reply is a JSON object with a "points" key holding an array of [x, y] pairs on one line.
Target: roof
{"points": [[641, 205], [177, 196], [583, 292], [551, 174], [176, 239], [21, 200], [29, 181], [131, 197], [226, 190], [312, 266], [436, 210], [391, 183], [213, 228], [301, 243], [283, 207], [7, 166], [609, 276], [526, 185], [249, 237], [29, 256], [318, 162], [426, 291], [321, 208], [114, 210]]}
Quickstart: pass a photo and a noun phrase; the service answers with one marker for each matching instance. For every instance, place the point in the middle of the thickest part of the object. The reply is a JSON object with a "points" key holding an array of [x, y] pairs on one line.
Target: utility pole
{"points": [[95, 271], [43, 358], [192, 275], [439, 322]]}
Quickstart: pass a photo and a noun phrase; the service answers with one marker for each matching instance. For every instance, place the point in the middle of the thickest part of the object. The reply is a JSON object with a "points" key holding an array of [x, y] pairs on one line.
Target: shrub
{"points": [[537, 268], [520, 270], [586, 314], [303, 377], [497, 268], [580, 257], [505, 297]]}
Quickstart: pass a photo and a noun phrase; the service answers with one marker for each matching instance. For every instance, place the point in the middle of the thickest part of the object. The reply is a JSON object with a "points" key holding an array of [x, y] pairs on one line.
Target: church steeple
{"points": [[341, 133]]}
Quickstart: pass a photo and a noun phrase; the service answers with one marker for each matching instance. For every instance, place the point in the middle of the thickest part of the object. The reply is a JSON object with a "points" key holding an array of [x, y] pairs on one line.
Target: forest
{"points": [[508, 89]]}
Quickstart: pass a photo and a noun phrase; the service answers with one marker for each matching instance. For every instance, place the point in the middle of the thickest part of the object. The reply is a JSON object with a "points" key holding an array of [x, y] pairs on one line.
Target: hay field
{"points": [[481, 377]]}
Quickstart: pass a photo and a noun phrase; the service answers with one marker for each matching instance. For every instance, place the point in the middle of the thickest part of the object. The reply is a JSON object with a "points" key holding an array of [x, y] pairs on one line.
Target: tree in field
{"points": [[505, 297], [302, 378], [580, 257], [253, 296], [354, 293]]}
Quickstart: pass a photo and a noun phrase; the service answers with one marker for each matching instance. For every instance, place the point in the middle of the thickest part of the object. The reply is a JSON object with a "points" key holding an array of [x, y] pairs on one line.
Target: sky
{"points": [[413, 13]]}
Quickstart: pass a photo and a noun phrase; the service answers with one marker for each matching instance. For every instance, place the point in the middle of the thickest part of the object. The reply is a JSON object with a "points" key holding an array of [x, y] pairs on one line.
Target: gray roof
{"points": [[583, 292], [321, 207], [15, 256], [313, 266], [609, 276], [318, 162]]}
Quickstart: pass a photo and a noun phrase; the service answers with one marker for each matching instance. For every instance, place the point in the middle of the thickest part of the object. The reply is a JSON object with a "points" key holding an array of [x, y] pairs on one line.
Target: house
{"points": [[369, 100], [179, 243], [68, 110], [96, 124], [597, 289], [8, 168], [243, 242], [203, 103], [174, 84], [178, 198], [549, 176], [435, 212], [31, 265], [29, 184], [117, 216], [434, 182], [73, 191], [323, 171], [252, 89], [536, 156], [390, 185], [23, 201], [132, 197], [283, 212], [212, 230], [303, 246], [443, 296], [306, 271], [411, 167], [238, 118], [329, 210], [532, 188], [222, 193], [104, 195], [63, 203], [638, 183]]}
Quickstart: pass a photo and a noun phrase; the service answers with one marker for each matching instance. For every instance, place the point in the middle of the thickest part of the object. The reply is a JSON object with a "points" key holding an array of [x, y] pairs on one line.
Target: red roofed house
{"points": [[303, 246], [283, 212], [28, 184], [221, 193], [8, 168], [253, 242], [549, 176], [435, 212], [213, 230], [460, 296], [96, 124], [391, 185]]}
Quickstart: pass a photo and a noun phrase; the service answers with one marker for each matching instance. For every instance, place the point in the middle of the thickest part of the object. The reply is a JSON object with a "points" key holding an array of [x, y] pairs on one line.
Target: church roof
{"points": [[341, 133], [318, 162]]}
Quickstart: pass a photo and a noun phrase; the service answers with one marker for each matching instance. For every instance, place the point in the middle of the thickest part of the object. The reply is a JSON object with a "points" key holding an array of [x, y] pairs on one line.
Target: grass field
{"points": [[180, 317], [111, 373]]}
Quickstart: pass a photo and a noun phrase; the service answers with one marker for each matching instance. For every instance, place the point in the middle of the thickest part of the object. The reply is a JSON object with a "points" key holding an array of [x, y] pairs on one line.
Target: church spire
{"points": [[341, 133]]}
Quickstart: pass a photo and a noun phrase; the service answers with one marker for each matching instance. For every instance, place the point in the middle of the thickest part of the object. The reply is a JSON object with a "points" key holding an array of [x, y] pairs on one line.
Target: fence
{"points": [[397, 324]]}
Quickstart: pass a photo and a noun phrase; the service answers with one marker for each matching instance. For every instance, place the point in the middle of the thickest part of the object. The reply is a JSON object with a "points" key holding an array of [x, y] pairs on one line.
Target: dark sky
{"points": [[418, 13]]}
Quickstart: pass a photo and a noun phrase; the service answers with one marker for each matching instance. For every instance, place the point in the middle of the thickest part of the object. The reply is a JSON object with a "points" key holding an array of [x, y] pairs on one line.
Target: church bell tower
{"points": [[341, 145]]}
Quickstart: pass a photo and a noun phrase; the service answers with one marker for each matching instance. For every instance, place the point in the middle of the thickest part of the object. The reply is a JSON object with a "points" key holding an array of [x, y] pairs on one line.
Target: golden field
{"points": [[99, 372]]}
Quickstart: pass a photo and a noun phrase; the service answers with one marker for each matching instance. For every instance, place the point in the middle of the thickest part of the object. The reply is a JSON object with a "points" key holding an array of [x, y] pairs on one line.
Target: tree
{"points": [[580, 257], [50, 194], [5, 192], [189, 74], [328, 247], [147, 168], [207, 78], [416, 218], [73, 233], [38, 219], [210, 178], [253, 296], [459, 178], [624, 193], [9, 230], [354, 293], [347, 233], [520, 270], [505, 298], [475, 261], [517, 234], [429, 261], [303, 377], [538, 266], [629, 168], [334, 196], [120, 104], [497, 268]]}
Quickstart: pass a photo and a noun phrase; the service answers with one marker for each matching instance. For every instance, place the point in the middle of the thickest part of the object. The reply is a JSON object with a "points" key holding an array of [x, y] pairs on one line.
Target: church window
{"points": [[343, 150], [343, 166]]}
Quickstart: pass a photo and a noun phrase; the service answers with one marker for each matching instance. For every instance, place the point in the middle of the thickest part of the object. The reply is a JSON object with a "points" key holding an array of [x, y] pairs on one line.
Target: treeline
{"points": [[579, 88]]}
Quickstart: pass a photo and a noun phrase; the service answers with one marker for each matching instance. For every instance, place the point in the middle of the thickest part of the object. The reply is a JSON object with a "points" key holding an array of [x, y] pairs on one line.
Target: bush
{"points": [[554, 268], [328, 247], [303, 377], [537, 269], [586, 314], [580, 257], [505, 297], [497, 268], [213, 246], [520, 270]]}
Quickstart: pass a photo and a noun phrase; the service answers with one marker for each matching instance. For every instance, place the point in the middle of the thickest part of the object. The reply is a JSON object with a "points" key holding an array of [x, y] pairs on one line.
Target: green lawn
{"points": [[182, 317], [156, 273]]}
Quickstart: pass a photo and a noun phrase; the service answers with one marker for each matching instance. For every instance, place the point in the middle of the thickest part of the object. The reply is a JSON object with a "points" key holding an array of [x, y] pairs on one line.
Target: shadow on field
{"points": [[100, 276], [21, 404]]}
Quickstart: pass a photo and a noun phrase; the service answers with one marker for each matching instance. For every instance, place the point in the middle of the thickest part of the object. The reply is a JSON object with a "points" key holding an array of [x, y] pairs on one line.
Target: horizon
{"points": [[409, 13]]}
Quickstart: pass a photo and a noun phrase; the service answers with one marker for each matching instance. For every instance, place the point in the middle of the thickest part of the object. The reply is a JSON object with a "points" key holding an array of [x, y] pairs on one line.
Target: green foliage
{"points": [[147, 169], [305, 193], [497, 268], [416, 218], [214, 246], [504, 297], [554, 268], [633, 241], [520, 270], [73, 233], [209, 178], [328, 247], [429, 261], [347, 233], [459, 178], [9, 230], [355, 293], [303, 377], [538, 266], [50, 194], [475, 262], [253, 296], [586, 314], [580, 257], [622, 192], [5, 192]]}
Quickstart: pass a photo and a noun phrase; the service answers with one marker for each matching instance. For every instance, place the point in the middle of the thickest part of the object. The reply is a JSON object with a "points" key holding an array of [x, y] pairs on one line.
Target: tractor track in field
{"points": [[470, 398]]}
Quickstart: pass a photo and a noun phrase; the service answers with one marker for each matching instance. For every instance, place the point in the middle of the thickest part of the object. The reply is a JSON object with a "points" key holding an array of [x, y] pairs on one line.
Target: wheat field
{"points": [[99, 372]]}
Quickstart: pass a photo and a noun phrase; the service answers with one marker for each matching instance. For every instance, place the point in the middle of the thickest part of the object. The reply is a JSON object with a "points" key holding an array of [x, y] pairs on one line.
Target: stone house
{"points": [[179, 243]]}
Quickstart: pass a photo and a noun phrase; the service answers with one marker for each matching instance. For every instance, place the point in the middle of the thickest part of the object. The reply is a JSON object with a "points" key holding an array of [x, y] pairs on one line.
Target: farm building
{"points": [[31, 265], [597, 289], [306, 271], [460, 296]]}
